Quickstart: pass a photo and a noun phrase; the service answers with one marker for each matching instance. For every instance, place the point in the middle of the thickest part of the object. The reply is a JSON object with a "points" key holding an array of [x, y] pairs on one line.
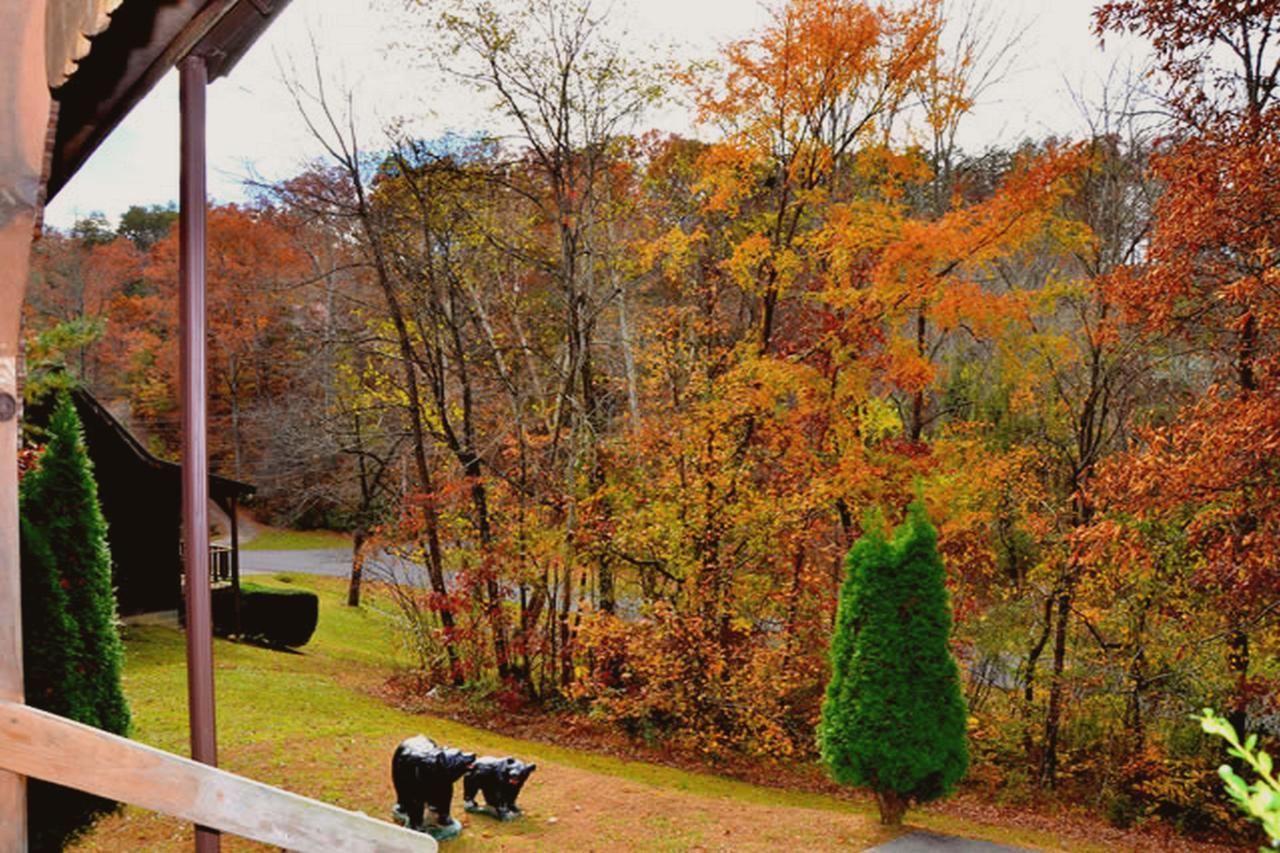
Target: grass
{"points": [[313, 723], [296, 540]]}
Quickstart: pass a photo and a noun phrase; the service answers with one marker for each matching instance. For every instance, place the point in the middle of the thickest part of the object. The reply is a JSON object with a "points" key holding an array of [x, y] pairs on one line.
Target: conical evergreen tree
{"points": [[52, 682], [894, 719], [60, 500], [50, 639], [869, 553], [72, 654]]}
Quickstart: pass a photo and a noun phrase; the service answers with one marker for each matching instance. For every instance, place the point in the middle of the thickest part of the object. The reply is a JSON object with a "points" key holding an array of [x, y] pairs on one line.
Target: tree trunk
{"points": [[493, 590], [1134, 722], [234, 389], [1053, 717], [918, 399], [357, 568], [628, 358], [1029, 681], [893, 806], [430, 512], [1238, 662]]}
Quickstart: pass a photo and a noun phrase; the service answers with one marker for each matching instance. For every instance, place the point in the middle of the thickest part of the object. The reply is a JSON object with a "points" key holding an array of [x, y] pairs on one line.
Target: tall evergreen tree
{"points": [[50, 639], [52, 682], [894, 718], [60, 499], [72, 653]]}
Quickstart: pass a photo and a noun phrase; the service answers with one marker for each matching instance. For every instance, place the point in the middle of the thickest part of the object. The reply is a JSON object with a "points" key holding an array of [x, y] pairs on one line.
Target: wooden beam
{"points": [[24, 117], [41, 745]]}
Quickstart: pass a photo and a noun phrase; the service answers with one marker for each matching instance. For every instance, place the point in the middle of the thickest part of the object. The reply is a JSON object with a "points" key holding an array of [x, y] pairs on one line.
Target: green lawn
{"points": [[296, 540], [312, 722]]}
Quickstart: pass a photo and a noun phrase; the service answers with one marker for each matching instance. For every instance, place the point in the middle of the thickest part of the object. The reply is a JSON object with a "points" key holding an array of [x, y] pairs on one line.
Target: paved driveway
{"points": [[331, 562]]}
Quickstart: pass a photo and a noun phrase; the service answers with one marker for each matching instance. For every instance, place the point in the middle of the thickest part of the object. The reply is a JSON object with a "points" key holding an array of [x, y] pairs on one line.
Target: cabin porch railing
{"points": [[219, 564]]}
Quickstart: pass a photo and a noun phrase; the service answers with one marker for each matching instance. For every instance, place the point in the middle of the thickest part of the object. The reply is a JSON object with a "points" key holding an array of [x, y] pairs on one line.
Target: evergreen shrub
{"points": [[894, 718]]}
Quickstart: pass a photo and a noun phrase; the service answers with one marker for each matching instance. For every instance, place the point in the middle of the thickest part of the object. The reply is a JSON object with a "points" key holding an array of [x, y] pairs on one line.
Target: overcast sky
{"points": [[253, 124]]}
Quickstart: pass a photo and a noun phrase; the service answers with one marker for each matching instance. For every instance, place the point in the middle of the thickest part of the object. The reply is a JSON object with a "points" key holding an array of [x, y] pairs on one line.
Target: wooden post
{"points": [[235, 561], [193, 79], [24, 115]]}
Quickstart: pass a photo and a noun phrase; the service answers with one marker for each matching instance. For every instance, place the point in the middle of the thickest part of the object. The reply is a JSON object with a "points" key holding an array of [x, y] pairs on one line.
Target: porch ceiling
{"points": [[141, 42]]}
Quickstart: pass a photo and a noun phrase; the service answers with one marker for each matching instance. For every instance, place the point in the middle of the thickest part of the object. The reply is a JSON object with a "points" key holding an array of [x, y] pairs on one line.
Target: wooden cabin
{"points": [[141, 496], [70, 70]]}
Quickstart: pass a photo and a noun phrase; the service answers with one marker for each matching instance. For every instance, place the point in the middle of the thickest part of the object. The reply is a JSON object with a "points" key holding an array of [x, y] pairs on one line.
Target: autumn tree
{"points": [[1091, 370], [340, 192], [75, 282], [252, 265], [570, 93], [823, 80], [1210, 284], [736, 491]]}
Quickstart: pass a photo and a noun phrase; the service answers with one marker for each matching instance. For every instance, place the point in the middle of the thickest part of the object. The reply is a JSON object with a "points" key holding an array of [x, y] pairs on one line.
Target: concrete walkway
{"points": [[932, 842]]}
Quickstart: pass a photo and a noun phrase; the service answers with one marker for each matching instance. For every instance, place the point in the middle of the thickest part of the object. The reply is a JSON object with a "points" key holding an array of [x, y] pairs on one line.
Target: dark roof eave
{"points": [[220, 487], [145, 40]]}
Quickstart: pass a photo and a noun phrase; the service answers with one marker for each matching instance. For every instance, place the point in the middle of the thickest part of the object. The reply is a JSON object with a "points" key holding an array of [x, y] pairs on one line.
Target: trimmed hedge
{"points": [[281, 618]]}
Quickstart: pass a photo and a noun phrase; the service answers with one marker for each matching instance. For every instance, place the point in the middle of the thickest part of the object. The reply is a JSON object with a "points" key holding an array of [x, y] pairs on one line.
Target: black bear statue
{"points": [[423, 774], [500, 780]]}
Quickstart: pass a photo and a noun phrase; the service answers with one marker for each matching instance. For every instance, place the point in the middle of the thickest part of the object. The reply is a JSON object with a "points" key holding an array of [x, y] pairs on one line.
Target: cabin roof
{"points": [[141, 41], [220, 488], [99, 421]]}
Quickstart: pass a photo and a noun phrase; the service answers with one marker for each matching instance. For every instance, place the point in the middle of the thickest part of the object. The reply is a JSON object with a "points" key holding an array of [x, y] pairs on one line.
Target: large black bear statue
{"points": [[500, 779], [423, 774]]}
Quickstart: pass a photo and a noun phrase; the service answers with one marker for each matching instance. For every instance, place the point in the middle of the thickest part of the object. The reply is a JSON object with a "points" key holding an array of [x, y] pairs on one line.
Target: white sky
{"points": [[253, 125]]}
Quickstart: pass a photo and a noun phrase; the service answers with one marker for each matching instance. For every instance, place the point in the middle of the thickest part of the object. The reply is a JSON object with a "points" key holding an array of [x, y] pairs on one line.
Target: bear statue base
{"points": [[504, 814], [437, 831]]}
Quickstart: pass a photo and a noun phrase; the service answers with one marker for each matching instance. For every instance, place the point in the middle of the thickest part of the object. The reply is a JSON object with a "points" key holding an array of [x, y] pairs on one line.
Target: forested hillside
{"points": [[627, 395]]}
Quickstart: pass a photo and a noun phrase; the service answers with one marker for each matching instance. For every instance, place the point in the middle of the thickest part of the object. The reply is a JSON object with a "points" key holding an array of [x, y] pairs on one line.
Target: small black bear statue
{"points": [[423, 774], [501, 780]]}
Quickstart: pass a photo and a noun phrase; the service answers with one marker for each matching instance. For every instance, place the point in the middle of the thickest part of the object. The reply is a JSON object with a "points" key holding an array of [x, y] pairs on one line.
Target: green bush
{"points": [[50, 645], [1261, 799], [894, 719], [73, 655], [50, 638], [274, 617]]}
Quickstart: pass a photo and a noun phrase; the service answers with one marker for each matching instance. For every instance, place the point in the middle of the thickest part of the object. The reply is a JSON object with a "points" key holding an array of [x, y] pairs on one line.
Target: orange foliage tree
{"points": [[252, 264], [1212, 286]]}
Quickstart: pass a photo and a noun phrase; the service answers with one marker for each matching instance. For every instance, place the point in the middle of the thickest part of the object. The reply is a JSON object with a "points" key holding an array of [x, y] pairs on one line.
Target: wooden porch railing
{"points": [[219, 564], [38, 744]]}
